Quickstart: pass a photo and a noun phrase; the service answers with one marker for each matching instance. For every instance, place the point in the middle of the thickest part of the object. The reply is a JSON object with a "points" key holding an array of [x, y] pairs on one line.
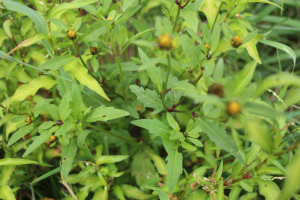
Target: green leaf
{"points": [[250, 36], [135, 193], [196, 142], [244, 77], [221, 190], [76, 104], [141, 167], [210, 10], [262, 110], [19, 134], [56, 62], [110, 159], [37, 18], [258, 132], [26, 25], [6, 27], [174, 168], [190, 49], [31, 88], [194, 35], [39, 140], [152, 125], [95, 64], [197, 195], [159, 163], [27, 43], [59, 23], [2, 54], [268, 189], [162, 195], [185, 87], [264, 1], [119, 192], [68, 152], [234, 193], [57, 11], [149, 98], [104, 114], [219, 136], [282, 47], [82, 75], [153, 71], [219, 172], [246, 185], [191, 18], [215, 37], [277, 80], [172, 122], [291, 184], [46, 125], [128, 13], [80, 142], [187, 146], [16, 161], [54, 171], [6, 193], [132, 39], [95, 31], [64, 106]]}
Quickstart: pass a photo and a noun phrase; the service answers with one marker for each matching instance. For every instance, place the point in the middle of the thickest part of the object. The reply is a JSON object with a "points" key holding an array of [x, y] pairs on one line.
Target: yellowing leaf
{"points": [[27, 43], [210, 9], [31, 88], [81, 74]]}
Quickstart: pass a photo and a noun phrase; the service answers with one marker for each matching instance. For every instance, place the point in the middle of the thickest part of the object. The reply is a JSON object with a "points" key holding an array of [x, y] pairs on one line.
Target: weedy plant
{"points": [[138, 99]]}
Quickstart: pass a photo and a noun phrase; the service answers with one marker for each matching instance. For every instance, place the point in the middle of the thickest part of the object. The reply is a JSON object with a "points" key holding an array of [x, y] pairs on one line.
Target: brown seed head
{"points": [[236, 41], [165, 42], [233, 108], [93, 50], [71, 34], [216, 89]]}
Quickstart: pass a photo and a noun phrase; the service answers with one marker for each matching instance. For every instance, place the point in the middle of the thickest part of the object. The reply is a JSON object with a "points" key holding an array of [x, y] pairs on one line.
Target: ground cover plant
{"points": [[149, 99]]}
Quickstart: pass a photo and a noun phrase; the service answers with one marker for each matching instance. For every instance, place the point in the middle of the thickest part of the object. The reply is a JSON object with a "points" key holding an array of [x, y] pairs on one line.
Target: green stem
{"points": [[119, 65], [77, 52], [166, 81], [176, 20], [113, 134]]}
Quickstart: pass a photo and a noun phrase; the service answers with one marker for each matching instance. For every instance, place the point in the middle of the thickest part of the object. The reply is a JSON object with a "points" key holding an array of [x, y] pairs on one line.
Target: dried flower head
{"points": [[93, 50], [165, 42], [71, 34], [236, 41], [233, 108], [59, 123], [216, 89]]}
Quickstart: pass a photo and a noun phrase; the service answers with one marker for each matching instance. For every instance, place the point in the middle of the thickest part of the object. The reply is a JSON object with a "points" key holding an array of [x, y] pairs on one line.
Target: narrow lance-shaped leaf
{"points": [[104, 114], [36, 17], [6, 193], [27, 43], [16, 161], [55, 63], [68, 152], [174, 168]]}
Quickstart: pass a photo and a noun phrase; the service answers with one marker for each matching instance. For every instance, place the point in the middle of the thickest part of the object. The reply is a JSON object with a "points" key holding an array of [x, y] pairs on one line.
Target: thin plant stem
{"points": [[119, 65], [217, 16], [77, 52], [112, 134], [166, 81], [279, 63], [176, 20]]}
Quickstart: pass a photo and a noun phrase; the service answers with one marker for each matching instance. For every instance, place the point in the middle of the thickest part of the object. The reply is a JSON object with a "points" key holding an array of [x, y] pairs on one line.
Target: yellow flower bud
{"points": [[93, 50], [28, 120], [165, 42], [233, 108], [236, 41], [109, 18], [71, 34], [207, 46], [52, 138]]}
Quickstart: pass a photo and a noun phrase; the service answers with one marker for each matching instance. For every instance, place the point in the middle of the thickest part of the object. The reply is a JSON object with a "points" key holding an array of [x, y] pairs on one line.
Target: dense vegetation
{"points": [[149, 99]]}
